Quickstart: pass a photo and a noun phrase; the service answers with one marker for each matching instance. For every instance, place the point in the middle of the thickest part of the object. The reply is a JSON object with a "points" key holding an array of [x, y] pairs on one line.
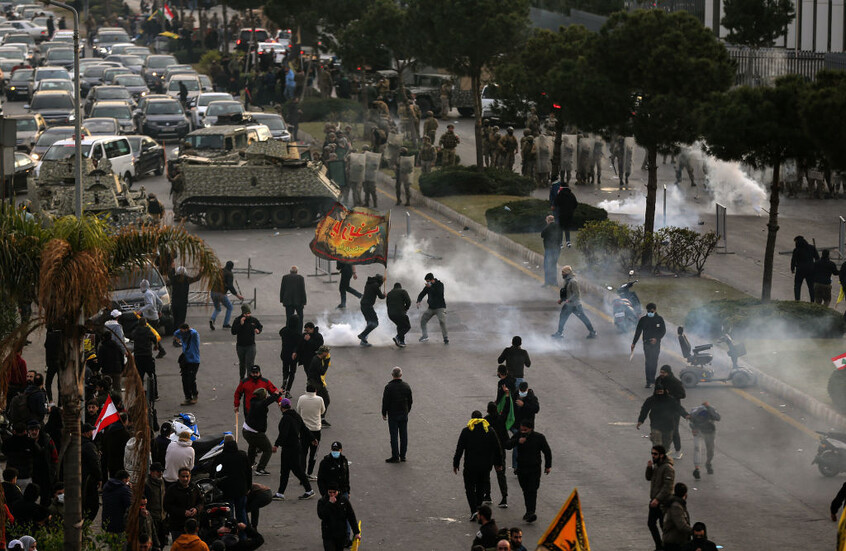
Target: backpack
{"points": [[19, 408]]}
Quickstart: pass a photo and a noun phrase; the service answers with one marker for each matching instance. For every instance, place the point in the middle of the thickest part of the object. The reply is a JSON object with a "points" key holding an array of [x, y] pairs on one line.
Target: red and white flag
{"points": [[839, 361], [108, 415], [167, 13]]}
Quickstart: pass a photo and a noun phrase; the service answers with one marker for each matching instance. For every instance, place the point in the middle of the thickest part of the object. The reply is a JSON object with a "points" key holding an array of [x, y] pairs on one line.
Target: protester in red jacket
{"points": [[249, 384]]}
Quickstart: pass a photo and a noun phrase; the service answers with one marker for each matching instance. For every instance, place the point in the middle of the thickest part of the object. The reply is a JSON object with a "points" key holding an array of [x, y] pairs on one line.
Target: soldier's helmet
{"points": [[510, 130], [534, 109], [530, 139], [526, 132], [365, 148], [451, 126], [403, 150], [496, 129], [426, 139], [331, 136]]}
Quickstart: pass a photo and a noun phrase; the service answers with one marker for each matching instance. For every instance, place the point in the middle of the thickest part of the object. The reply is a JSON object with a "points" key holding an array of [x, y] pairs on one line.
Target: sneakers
{"points": [[423, 339], [312, 477], [187, 402], [402, 459], [278, 497], [446, 341], [530, 517], [341, 307], [262, 472], [503, 504], [647, 385], [364, 343], [211, 325], [162, 353], [696, 473], [679, 454], [569, 244], [474, 517], [227, 326], [392, 460], [324, 422], [397, 342], [557, 335], [308, 495], [591, 335], [709, 469]]}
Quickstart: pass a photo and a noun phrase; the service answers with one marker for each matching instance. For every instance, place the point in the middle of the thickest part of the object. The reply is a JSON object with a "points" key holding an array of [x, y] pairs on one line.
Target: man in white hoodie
{"points": [[311, 408], [179, 454], [152, 306]]}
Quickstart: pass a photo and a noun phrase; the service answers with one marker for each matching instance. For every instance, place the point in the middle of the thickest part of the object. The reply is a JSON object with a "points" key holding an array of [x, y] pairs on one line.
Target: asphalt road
{"points": [[765, 492]]}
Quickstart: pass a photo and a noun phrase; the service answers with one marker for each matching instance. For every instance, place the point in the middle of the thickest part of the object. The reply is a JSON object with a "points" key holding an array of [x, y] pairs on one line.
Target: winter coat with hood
{"points": [[672, 385], [804, 256], [372, 290], [661, 477], [155, 490], [131, 463], [700, 544], [479, 445], [117, 498], [291, 336], [238, 476], [676, 522], [179, 454], [308, 346], [246, 388]]}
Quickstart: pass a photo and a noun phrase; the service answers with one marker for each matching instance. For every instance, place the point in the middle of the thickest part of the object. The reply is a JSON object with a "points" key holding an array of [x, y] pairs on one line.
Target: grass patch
{"points": [[475, 206]]}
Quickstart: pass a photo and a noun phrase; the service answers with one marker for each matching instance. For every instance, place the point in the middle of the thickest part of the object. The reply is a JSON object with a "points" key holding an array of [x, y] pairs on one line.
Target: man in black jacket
{"points": [[398, 303], [182, 501], [145, 341], [653, 328], [674, 387], [91, 473], [396, 405], [515, 359], [662, 409], [497, 420], [480, 447], [802, 265], [291, 429], [372, 290], [487, 535], [180, 284], [530, 445], [565, 205], [334, 472], [336, 513], [436, 306], [239, 477], [307, 348], [824, 268], [245, 328], [255, 428], [292, 293]]}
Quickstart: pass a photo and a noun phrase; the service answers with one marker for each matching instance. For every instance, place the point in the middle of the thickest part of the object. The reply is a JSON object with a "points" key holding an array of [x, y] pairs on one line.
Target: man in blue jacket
{"points": [[189, 362]]}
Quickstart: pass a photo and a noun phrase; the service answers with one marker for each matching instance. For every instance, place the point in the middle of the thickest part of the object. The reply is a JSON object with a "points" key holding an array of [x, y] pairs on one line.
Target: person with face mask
{"points": [[334, 470], [571, 301], [530, 446], [653, 329], [700, 541]]}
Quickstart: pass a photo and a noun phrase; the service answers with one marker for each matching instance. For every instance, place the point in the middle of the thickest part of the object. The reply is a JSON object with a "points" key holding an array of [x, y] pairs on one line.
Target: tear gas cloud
{"points": [[730, 184]]}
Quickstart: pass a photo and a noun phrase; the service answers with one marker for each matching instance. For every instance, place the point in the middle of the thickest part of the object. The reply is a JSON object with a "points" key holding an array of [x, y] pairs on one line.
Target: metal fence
{"points": [[762, 66]]}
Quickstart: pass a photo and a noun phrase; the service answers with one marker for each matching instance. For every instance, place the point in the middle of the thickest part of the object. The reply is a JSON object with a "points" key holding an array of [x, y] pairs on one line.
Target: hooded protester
{"points": [[480, 447], [291, 337], [372, 291], [662, 409], [239, 477], [677, 520], [179, 455], [674, 387], [802, 266], [255, 428], [700, 541]]}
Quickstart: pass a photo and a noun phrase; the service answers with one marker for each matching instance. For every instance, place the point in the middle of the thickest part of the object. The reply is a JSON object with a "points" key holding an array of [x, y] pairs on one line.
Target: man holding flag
{"points": [[108, 416]]}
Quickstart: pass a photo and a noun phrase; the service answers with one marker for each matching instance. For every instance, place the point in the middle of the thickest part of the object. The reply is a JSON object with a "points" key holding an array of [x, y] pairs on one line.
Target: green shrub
{"points": [[529, 215], [750, 318], [464, 180], [674, 249], [326, 109], [186, 56], [206, 60]]}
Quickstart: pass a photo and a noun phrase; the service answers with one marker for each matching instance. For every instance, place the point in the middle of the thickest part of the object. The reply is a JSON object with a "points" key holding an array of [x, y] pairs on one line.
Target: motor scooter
{"points": [[831, 454], [626, 307]]}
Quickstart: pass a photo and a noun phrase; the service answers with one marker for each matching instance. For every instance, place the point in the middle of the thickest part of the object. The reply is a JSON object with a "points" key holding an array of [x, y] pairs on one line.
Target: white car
{"points": [[198, 111], [277, 49], [192, 84], [219, 108], [33, 30]]}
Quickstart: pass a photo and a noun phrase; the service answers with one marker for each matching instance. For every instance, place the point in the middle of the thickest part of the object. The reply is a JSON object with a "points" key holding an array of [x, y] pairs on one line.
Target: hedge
{"points": [[469, 180], [331, 109], [529, 215], [751, 318]]}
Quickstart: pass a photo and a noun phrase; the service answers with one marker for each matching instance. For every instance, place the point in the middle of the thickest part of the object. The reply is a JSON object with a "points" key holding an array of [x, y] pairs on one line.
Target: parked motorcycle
{"points": [[216, 510], [831, 454], [626, 307]]}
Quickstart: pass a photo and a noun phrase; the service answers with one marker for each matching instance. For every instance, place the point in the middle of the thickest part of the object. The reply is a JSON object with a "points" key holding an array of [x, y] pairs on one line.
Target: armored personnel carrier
{"points": [[103, 192], [265, 185]]}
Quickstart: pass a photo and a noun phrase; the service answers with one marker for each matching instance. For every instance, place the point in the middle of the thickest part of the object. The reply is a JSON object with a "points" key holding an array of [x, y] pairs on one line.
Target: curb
{"points": [[767, 382]]}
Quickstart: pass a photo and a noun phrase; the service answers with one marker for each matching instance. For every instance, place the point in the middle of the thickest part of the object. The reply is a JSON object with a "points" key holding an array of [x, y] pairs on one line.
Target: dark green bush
{"points": [[529, 215], [317, 109], [469, 180], [750, 318]]}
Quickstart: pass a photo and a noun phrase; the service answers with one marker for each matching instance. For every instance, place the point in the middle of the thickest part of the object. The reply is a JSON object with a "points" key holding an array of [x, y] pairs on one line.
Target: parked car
{"points": [[221, 108], [153, 68], [56, 107], [199, 105], [192, 84], [53, 84], [24, 166], [28, 128], [30, 28], [162, 118], [53, 135], [110, 74], [61, 57], [131, 62], [47, 72], [127, 296], [100, 93], [106, 38], [102, 126], [134, 83], [148, 155], [245, 37], [114, 148], [119, 110]]}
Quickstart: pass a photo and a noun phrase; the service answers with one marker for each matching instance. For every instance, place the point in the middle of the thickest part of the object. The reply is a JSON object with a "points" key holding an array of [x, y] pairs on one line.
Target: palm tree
{"points": [[68, 267]]}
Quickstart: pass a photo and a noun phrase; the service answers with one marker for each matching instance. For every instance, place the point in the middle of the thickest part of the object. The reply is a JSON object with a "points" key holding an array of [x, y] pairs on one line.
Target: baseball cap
{"points": [[336, 445]]}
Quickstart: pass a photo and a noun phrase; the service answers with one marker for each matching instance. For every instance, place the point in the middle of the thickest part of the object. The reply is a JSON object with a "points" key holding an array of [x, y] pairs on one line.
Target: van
{"points": [[114, 148]]}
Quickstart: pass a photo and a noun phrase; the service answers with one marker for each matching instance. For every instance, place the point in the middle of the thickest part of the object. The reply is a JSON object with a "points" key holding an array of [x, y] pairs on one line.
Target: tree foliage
{"points": [[761, 126], [467, 35], [661, 67], [756, 23], [319, 19], [824, 111], [384, 33]]}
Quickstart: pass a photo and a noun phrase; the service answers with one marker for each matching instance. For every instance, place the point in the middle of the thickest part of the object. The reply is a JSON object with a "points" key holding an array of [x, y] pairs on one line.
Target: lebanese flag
{"points": [[167, 13], [839, 361], [109, 415]]}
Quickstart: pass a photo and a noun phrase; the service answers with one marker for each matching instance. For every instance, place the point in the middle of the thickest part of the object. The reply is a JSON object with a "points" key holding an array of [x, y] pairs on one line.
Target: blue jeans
{"points": [[398, 427], [217, 300], [550, 265]]}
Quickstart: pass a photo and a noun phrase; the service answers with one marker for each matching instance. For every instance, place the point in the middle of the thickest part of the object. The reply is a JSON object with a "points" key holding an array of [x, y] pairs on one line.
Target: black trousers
{"points": [[806, 276], [344, 288], [189, 379], [477, 483], [52, 371], [656, 519], [291, 464], [290, 310], [179, 309], [529, 479], [289, 371], [372, 320], [333, 543], [403, 325], [309, 452], [651, 353]]}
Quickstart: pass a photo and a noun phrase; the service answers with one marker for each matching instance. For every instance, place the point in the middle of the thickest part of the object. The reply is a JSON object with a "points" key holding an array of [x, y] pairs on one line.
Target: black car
{"points": [[55, 106], [51, 136], [24, 165], [134, 83], [153, 69], [162, 118], [18, 87], [148, 155]]}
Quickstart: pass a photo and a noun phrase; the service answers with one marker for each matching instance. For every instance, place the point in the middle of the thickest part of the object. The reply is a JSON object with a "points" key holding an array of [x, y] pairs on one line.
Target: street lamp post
{"points": [[77, 171]]}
